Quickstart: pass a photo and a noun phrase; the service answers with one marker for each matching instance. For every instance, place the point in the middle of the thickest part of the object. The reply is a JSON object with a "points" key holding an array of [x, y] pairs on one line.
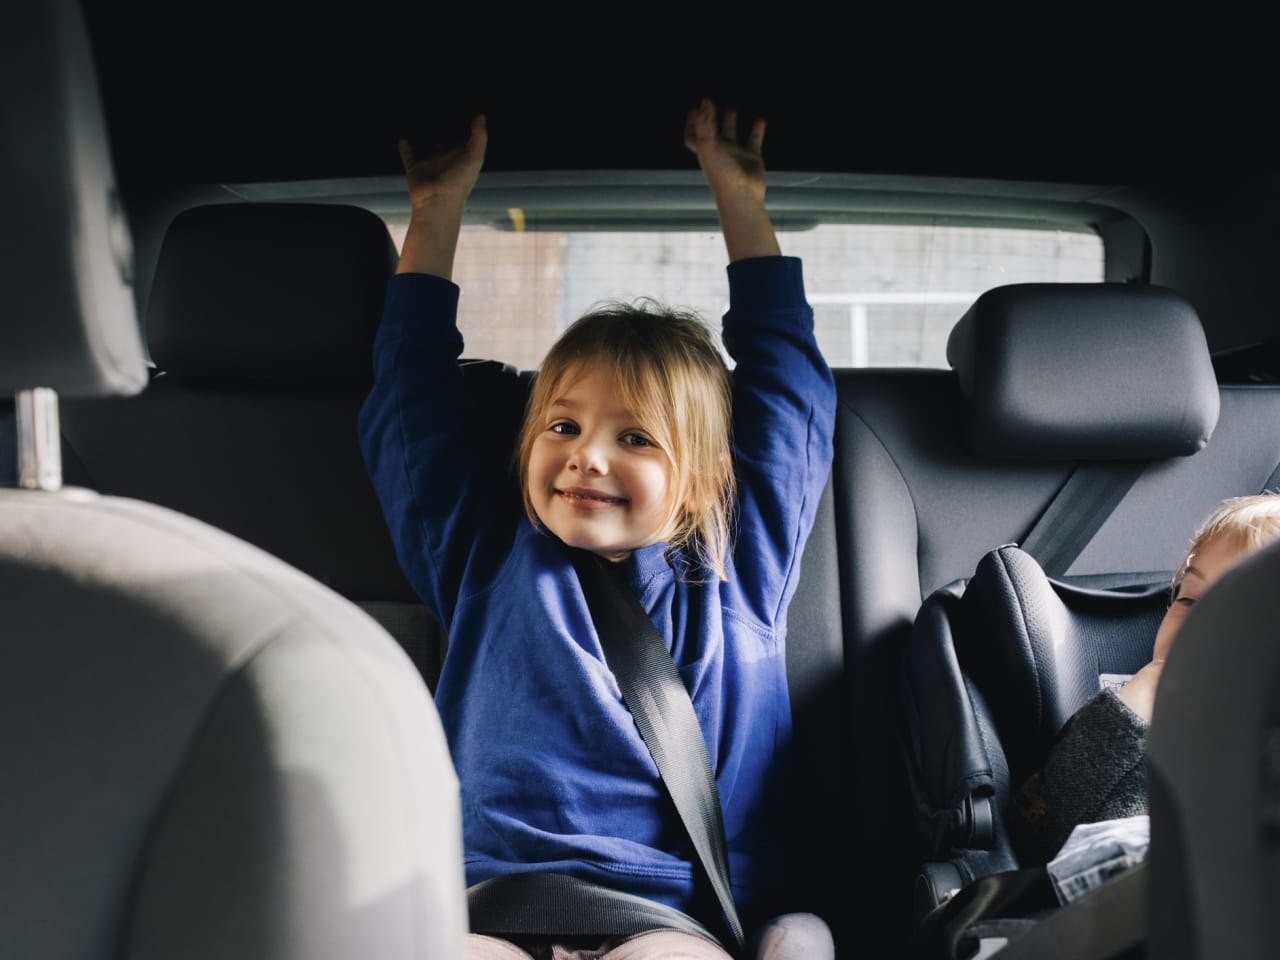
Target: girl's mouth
{"points": [[586, 499]]}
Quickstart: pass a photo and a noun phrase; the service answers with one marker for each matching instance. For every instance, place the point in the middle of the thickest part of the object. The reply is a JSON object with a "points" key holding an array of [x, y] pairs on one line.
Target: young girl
{"points": [[1095, 770], [637, 446]]}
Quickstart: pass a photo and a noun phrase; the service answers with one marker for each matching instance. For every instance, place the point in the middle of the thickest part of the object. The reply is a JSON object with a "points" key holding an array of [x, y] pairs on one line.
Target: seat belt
{"points": [[558, 905], [1078, 510], [659, 702], [543, 904], [1080, 507]]}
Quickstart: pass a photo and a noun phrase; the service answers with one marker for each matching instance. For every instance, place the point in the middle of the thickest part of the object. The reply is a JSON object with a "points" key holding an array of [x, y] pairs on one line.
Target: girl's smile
{"points": [[585, 499]]}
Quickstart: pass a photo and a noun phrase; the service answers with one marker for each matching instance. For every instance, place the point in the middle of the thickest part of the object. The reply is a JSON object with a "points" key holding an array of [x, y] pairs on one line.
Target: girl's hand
{"points": [[729, 166], [735, 173], [439, 184], [445, 176]]}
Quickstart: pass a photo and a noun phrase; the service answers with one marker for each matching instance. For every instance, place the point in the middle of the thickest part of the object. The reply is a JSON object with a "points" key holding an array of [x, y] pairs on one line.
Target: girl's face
{"points": [[1208, 564], [597, 479]]}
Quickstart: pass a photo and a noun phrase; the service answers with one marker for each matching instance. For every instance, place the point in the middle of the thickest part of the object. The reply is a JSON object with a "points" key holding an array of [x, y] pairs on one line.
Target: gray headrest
{"points": [[269, 291], [66, 258], [1084, 371]]}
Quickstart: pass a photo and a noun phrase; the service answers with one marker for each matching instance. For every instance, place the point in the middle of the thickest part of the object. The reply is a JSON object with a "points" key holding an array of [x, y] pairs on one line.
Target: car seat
{"points": [[1205, 889], [996, 666], [207, 752]]}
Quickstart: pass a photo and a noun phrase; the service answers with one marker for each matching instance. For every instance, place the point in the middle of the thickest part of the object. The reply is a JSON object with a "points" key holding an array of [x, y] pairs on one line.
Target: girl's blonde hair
{"points": [[1245, 522], [672, 376]]}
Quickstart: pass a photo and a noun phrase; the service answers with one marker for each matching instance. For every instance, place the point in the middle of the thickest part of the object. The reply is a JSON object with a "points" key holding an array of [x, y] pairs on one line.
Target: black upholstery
{"points": [[270, 293], [1084, 370], [915, 507], [1059, 640], [260, 325]]}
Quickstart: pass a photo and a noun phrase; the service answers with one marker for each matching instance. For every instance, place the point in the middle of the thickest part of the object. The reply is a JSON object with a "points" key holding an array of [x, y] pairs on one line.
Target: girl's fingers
{"points": [[729, 127], [479, 134], [406, 155], [700, 125], [690, 130], [757, 136]]}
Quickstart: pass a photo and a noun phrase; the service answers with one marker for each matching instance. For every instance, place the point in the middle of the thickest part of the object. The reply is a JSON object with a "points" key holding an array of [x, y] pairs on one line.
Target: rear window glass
{"points": [[883, 295]]}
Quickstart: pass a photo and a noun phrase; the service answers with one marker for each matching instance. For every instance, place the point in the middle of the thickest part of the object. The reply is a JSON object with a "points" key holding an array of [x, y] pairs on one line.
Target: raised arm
{"points": [[441, 481], [735, 173], [439, 185], [783, 392]]}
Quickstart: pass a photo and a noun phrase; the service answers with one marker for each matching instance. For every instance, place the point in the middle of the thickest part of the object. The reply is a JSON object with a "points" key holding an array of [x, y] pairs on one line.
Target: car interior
{"points": [[1021, 454]]}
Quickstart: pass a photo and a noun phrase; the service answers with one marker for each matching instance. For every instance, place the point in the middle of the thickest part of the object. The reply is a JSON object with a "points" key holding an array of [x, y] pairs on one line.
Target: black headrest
{"points": [[1084, 371], [66, 269], [269, 291]]}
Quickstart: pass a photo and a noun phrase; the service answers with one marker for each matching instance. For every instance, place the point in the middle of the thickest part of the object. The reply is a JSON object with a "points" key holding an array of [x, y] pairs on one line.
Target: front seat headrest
{"points": [[71, 323]]}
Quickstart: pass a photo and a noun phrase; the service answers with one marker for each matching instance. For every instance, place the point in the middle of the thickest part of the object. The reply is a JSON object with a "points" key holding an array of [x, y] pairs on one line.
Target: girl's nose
{"points": [[587, 457]]}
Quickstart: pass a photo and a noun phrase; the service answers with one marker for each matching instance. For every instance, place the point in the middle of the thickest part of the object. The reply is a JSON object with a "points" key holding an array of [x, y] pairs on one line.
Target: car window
{"points": [[883, 294]]}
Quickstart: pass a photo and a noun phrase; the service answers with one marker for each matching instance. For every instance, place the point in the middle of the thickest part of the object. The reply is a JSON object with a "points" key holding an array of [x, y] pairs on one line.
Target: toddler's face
{"points": [[1208, 564], [597, 479]]}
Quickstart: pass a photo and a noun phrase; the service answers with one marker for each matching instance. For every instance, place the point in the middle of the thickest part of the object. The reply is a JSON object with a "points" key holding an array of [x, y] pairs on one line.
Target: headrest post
{"points": [[39, 439]]}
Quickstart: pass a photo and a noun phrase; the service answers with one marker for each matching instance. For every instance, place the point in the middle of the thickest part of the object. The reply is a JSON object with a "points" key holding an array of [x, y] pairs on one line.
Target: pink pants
{"points": [[792, 936]]}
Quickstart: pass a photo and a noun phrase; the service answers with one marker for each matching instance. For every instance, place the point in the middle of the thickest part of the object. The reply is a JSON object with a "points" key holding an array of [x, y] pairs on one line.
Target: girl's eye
{"points": [[564, 427], [1186, 601], [636, 440]]}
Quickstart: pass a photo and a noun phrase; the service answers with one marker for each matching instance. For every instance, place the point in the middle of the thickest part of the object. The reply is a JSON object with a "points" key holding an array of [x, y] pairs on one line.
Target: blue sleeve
{"points": [[784, 419], [442, 491]]}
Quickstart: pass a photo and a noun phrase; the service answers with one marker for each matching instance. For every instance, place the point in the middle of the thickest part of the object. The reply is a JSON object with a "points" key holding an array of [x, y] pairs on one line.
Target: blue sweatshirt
{"points": [[555, 775]]}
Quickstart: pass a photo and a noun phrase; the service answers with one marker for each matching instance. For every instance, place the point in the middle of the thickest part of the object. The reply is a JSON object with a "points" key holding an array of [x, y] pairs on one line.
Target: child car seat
{"points": [[994, 669]]}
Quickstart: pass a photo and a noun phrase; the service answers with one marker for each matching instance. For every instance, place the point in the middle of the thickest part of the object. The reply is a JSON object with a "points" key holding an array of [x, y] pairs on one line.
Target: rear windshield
{"points": [[883, 295]]}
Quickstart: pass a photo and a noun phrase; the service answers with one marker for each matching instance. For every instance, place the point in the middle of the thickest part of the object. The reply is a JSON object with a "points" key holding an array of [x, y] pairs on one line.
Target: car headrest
{"points": [[269, 292], [66, 271], [1084, 371], [1038, 647]]}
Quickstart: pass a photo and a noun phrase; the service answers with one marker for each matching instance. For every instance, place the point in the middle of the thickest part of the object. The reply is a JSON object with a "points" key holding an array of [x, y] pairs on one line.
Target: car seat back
{"points": [[207, 753], [260, 324]]}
